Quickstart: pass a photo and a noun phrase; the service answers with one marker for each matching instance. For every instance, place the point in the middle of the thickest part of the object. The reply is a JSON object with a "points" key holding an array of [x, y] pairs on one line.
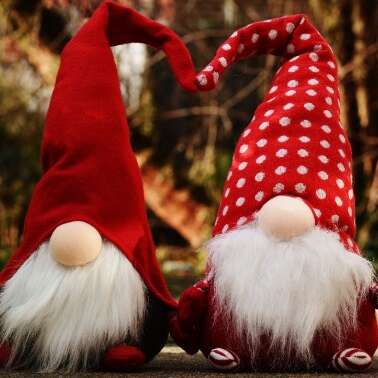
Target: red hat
{"points": [[295, 144], [90, 171]]}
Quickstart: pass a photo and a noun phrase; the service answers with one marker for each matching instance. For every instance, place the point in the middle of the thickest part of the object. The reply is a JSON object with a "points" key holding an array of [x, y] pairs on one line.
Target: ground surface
{"points": [[171, 362]]}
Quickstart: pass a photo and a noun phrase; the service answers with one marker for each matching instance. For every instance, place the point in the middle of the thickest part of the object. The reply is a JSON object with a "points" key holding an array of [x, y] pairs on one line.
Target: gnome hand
{"points": [[373, 295]]}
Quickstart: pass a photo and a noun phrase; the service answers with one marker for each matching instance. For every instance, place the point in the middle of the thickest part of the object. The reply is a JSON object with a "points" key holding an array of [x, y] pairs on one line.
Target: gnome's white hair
{"points": [[68, 316], [288, 290]]}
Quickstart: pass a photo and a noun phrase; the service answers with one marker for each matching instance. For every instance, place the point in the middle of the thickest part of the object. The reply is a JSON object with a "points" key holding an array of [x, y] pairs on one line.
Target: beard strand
{"points": [[60, 318], [286, 291]]}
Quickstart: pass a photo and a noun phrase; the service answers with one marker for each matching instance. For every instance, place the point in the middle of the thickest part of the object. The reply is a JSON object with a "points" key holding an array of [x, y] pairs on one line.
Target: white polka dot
{"points": [[226, 47], [327, 113], [292, 83], [350, 194], [323, 159], [302, 170], [215, 76], [241, 182], [290, 48], [325, 143], [272, 34], [271, 99], [328, 100], [260, 159], [209, 68], [309, 106], [313, 69], [280, 170], [243, 148], [317, 47], [350, 242], [330, 90], [259, 176], [225, 228], [264, 125], [284, 121], [202, 80], [293, 69], [313, 82], [335, 218], [302, 152], [240, 48], [283, 138], [278, 188], [261, 142], [288, 106], [331, 64], [259, 196], [305, 123], [291, 92], [281, 152], [331, 77], [340, 183], [304, 139], [240, 201], [317, 212], [223, 61], [290, 27], [246, 132], [311, 92], [314, 57], [323, 175], [338, 201], [341, 167], [241, 221], [350, 211], [229, 175], [242, 165], [342, 153], [227, 192], [305, 36], [255, 37], [225, 210], [321, 194], [300, 187], [342, 138], [268, 113], [326, 129], [234, 34], [273, 89]]}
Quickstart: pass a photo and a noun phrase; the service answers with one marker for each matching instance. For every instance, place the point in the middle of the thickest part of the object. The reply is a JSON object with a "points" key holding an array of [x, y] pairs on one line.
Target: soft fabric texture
{"points": [[67, 317], [90, 171]]}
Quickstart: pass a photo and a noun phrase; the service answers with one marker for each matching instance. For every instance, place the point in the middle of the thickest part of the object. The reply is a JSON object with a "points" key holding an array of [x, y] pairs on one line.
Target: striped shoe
{"points": [[351, 360], [223, 359]]}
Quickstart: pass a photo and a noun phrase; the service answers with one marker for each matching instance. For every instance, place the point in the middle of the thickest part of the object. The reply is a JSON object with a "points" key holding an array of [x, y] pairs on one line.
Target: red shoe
{"points": [[351, 360], [123, 358], [5, 352]]}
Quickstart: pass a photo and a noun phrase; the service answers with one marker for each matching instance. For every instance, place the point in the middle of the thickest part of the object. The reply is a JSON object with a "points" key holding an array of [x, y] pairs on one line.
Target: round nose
{"points": [[75, 243], [285, 217]]}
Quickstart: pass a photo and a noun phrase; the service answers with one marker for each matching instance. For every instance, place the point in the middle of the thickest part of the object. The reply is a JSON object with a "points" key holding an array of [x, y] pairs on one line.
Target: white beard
{"points": [[68, 316], [288, 290]]}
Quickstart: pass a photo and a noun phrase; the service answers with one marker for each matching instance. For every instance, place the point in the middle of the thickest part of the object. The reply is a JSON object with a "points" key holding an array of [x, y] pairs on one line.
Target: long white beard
{"points": [[288, 290], [68, 316]]}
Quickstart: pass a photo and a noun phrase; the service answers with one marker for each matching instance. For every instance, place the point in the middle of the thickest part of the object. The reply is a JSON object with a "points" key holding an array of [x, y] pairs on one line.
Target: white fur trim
{"points": [[288, 289], [70, 315]]}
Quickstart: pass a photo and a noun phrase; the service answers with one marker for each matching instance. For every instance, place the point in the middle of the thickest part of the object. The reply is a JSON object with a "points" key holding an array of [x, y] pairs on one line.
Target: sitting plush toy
{"points": [[286, 286], [84, 290]]}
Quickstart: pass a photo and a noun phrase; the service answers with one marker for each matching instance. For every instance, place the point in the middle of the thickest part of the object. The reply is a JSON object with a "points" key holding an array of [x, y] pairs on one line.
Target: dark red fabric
{"points": [[123, 358], [90, 171], [295, 143]]}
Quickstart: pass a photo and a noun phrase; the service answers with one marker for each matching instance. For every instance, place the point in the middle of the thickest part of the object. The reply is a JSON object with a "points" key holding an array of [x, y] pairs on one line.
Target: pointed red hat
{"points": [[90, 171], [295, 144]]}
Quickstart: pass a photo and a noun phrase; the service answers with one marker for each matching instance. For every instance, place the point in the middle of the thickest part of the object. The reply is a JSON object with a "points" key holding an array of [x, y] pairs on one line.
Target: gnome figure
{"points": [[84, 289], [286, 286]]}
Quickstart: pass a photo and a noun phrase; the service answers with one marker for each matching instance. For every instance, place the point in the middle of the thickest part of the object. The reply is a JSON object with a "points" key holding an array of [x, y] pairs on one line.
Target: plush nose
{"points": [[285, 217], [75, 243]]}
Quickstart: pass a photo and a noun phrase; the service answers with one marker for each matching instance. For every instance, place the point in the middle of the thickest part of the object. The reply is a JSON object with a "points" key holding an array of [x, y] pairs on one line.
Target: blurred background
{"points": [[184, 143]]}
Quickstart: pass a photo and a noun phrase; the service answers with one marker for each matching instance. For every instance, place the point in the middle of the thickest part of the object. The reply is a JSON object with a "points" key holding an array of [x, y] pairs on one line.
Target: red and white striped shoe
{"points": [[352, 360], [223, 359]]}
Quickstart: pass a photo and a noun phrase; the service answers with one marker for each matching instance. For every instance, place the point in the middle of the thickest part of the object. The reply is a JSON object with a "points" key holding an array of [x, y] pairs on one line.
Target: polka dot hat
{"points": [[295, 144]]}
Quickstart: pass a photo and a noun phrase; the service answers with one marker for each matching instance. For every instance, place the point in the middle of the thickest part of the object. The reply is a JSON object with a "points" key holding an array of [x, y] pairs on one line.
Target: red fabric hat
{"points": [[90, 171], [295, 144]]}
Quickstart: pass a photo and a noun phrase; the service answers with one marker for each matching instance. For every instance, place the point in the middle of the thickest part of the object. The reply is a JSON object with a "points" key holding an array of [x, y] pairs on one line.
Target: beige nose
{"points": [[285, 217], [75, 243]]}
